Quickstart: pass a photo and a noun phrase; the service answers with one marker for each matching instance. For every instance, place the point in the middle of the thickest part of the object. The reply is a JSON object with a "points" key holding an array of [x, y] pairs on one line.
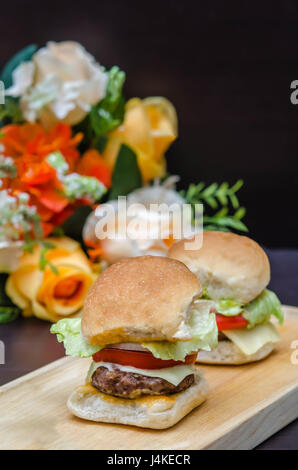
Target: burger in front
{"points": [[143, 323], [234, 271]]}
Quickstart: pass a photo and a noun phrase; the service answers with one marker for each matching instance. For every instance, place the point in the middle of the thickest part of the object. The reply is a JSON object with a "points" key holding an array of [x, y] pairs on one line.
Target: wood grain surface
{"points": [[246, 405]]}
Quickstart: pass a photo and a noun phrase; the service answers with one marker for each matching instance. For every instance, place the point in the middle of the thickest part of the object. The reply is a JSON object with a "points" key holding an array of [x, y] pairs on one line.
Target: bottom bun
{"points": [[155, 412], [228, 353]]}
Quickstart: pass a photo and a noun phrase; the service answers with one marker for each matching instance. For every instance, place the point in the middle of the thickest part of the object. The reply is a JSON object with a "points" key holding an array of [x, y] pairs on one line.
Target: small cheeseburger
{"points": [[143, 323], [234, 272]]}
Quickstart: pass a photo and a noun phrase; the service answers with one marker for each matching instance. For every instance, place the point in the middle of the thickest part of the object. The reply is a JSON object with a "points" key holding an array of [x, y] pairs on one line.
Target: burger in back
{"points": [[234, 271], [143, 323]]}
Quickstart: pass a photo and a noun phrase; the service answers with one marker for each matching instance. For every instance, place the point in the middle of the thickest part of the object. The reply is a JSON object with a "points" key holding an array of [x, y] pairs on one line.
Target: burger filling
{"points": [[127, 373], [130, 370], [248, 326]]}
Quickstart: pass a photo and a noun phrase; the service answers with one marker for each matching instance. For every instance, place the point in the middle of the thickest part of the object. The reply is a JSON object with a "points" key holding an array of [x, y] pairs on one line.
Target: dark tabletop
{"points": [[29, 345]]}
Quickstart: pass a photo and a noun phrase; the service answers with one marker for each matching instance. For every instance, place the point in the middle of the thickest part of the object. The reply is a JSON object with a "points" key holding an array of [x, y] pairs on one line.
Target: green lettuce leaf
{"points": [[202, 325], [228, 307], [68, 331], [259, 310], [203, 328]]}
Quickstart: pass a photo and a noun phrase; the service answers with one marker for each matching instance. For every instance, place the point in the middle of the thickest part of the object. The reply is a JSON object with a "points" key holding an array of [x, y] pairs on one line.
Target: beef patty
{"points": [[129, 385]]}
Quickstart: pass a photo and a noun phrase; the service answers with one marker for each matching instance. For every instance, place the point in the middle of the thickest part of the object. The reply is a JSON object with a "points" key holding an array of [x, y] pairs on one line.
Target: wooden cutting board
{"points": [[246, 405]]}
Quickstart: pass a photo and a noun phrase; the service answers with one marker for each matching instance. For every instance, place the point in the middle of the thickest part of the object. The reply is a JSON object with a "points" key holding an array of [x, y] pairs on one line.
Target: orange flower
{"points": [[92, 164], [29, 140], [29, 145], [16, 137]]}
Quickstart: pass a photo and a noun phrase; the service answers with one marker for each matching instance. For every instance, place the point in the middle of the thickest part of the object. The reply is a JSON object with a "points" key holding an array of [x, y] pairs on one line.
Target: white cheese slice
{"points": [[250, 341], [174, 375]]}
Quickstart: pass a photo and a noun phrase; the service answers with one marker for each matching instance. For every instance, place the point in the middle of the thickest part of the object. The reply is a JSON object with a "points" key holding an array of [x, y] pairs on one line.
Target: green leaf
{"points": [[43, 260], [211, 201], [228, 307], [260, 309], [72, 227], [47, 244], [85, 128], [8, 311], [23, 55], [57, 232], [240, 213], [204, 333], [109, 112], [127, 176], [45, 247], [227, 222], [10, 111], [68, 332], [210, 190], [9, 314], [215, 228], [234, 201], [100, 143], [213, 196], [238, 185]]}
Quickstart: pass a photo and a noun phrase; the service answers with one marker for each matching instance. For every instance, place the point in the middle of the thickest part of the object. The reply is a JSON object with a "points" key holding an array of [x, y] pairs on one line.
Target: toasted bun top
{"points": [[230, 266], [139, 299]]}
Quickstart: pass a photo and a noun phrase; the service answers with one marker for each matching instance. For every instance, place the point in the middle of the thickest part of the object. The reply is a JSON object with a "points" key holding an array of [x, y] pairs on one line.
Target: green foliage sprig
{"points": [[45, 246], [217, 196], [105, 115], [109, 112]]}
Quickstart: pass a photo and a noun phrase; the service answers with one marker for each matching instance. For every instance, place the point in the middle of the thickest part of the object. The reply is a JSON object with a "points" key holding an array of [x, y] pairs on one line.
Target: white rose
{"points": [[60, 84]]}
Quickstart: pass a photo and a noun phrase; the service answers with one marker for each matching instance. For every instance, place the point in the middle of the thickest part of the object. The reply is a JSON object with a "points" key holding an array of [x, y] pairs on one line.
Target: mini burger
{"points": [[143, 323], [234, 272]]}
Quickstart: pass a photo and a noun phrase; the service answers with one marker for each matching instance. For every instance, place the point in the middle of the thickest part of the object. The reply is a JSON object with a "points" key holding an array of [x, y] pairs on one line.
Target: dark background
{"points": [[227, 67]]}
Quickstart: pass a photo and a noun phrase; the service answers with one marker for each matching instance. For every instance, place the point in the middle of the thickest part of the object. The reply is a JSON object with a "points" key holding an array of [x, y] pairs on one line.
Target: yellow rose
{"points": [[46, 294], [149, 128]]}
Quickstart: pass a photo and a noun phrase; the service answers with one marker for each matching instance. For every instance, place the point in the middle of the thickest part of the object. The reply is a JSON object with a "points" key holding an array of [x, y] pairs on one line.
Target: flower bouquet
{"points": [[68, 141]]}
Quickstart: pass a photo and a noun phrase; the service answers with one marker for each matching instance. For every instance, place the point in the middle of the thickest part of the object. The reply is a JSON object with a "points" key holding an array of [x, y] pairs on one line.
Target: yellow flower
{"points": [[46, 294], [149, 128]]}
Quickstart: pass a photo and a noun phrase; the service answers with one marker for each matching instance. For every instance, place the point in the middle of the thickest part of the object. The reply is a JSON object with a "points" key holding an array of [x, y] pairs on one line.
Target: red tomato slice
{"points": [[138, 359], [230, 323]]}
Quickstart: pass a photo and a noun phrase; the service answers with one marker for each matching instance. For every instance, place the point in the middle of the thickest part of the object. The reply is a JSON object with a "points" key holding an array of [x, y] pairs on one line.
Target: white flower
{"points": [[141, 240], [65, 81], [22, 78]]}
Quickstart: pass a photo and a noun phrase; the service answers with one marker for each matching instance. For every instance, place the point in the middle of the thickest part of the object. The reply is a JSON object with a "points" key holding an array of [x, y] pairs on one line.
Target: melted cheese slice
{"points": [[250, 341], [174, 375]]}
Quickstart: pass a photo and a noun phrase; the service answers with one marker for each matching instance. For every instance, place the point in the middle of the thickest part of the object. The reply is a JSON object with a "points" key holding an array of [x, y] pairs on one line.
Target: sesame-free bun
{"points": [[155, 412], [140, 299], [230, 266], [228, 353]]}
